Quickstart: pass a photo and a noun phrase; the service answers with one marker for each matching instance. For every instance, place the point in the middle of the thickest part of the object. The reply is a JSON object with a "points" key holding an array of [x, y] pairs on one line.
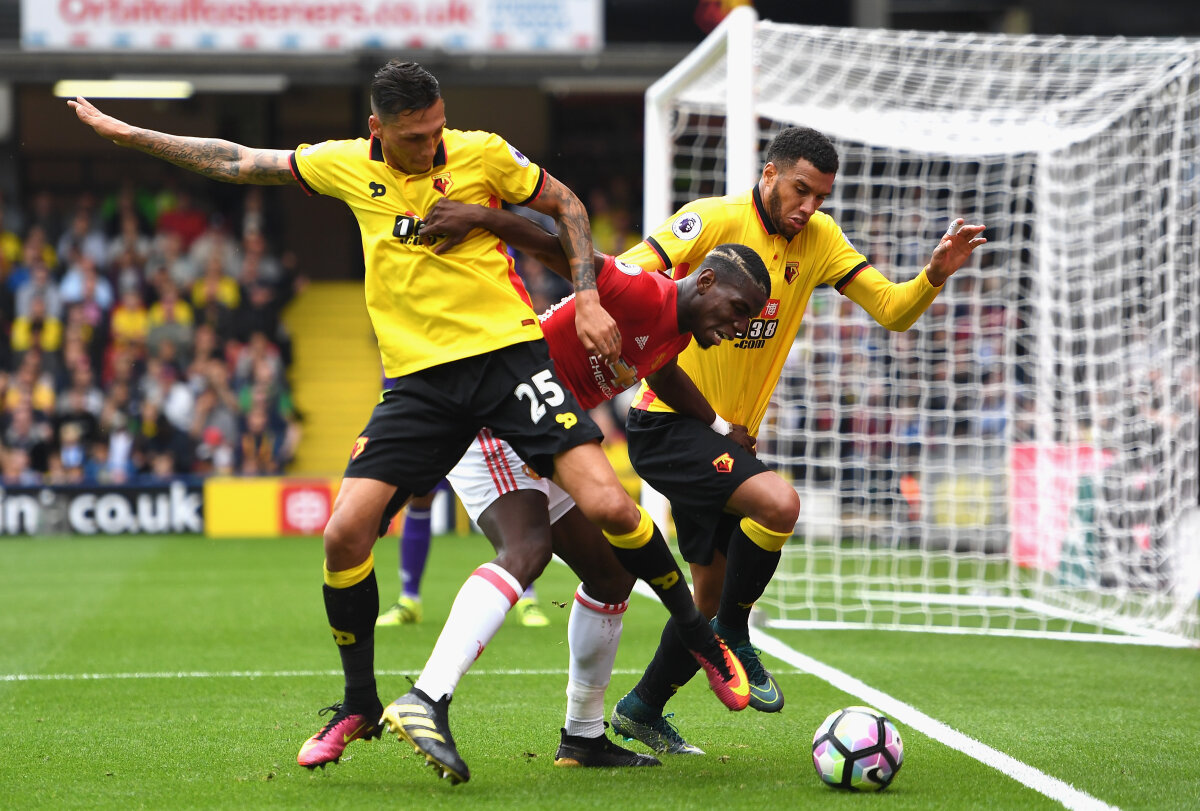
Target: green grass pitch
{"points": [[156, 672]]}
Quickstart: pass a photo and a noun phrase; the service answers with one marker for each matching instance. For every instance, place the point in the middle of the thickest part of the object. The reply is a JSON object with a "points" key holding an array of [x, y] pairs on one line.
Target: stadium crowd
{"points": [[145, 339]]}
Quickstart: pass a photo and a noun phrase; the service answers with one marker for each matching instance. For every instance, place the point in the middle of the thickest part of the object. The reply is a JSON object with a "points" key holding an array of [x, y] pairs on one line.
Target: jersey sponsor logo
{"points": [[407, 229], [530, 473], [641, 341], [517, 156], [687, 225], [567, 419], [761, 329], [377, 189], [442, 183], [790, 271], [723, 463], [360, 445], [628, 268]]}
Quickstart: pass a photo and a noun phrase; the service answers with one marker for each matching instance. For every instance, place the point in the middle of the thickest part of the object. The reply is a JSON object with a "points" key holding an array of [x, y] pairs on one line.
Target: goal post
{"points": [[1024, 460]]}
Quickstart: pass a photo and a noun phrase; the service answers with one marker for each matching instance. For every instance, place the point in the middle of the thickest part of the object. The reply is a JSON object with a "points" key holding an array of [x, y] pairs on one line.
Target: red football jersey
{"points": [[643, 305]]}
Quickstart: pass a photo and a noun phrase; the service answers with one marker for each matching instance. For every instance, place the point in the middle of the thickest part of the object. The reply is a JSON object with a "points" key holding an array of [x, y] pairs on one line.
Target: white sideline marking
{"points": [[266, 674], [1040, 782]]}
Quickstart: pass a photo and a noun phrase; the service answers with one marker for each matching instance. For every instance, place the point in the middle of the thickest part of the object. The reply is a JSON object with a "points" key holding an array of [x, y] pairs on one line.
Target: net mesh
{"points": [[1024, 459]]}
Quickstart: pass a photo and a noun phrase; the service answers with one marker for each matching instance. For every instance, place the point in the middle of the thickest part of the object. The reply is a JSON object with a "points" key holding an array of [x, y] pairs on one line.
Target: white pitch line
{"points": [[896, 709], [1023, 773], [280, 674], [265, 674]]}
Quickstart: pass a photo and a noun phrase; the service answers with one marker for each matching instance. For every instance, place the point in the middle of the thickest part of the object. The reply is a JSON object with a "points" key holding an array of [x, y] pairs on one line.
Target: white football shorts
{"points": [[490, 468]]}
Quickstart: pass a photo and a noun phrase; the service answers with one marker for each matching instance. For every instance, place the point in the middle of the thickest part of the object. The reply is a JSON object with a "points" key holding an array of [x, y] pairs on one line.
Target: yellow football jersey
{"points": [[739, 376], [429, 309]]}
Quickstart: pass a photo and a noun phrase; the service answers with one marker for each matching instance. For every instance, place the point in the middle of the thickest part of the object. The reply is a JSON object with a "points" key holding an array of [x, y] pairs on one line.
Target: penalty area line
{"points": [[1027, 775]]}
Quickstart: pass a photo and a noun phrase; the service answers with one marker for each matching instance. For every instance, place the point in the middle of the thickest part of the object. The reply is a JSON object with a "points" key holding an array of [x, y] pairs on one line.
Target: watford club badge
{"points": [[790, 271], [723, 463], [360, 445], [442, 183]]}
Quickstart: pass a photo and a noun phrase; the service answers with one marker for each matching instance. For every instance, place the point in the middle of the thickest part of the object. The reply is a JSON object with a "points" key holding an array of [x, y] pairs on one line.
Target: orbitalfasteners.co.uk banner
{"points": [[312, 25]]}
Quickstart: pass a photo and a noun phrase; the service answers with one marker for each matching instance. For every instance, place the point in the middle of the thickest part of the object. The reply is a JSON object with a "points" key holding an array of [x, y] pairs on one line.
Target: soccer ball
{"points": [[857, 749]]}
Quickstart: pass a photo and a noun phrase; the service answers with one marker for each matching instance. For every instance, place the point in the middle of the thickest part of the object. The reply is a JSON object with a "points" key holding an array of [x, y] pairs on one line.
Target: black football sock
{"points": [[644, 553], [352, 606], [671, 668], [751, 561]]}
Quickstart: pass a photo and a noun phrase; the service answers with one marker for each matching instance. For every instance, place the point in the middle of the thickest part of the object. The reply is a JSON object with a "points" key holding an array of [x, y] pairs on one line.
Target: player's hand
{"points": [[954, 248], [451, 221], [596, 328], [741, 435], [105, 126]]}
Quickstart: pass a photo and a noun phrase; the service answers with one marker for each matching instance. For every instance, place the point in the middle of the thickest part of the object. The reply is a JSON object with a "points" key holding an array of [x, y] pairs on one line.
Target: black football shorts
{"points": [[425, 422], [697, 470]]}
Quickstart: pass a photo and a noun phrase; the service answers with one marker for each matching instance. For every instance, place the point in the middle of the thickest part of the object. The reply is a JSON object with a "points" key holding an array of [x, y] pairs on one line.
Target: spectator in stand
{"points": [[258, 351], [45, 216], [28, 429], [36, 329], [217, 243], [80, 403], [161, 384], [32, 382], [67, 465], [10, 241], [40, 284], [129, 239], [17, 471], [82, 281], [215, 283], [168, 254], [84, 238], [183, 218], [128, 200], [261, 445], [170, 319], [216, 409], [258, 311], [205, 348], [130, 322], [210, 295], [160, 450]]}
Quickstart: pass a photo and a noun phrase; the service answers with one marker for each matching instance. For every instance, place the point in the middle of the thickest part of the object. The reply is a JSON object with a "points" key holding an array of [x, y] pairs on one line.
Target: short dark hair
{"points": [[738, 264], [401, 87], [797, 143]]}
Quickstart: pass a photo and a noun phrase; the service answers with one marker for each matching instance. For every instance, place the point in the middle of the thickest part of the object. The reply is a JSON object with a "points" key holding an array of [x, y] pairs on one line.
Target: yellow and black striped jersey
{"points": [[429, 309], [737, 377]]}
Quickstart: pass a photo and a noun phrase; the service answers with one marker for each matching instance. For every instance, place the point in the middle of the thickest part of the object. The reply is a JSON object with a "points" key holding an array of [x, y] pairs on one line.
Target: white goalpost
{"points": [[1024, 460]]}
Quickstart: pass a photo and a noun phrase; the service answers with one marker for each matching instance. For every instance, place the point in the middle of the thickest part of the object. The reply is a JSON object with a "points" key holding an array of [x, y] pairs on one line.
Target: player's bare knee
{"points": [[611, 509], [610, 586], [525, 563], [780, 511]]}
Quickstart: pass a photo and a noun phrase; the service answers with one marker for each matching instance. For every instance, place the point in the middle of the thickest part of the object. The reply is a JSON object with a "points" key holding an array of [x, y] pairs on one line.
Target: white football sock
{"points": [[477, 613], [593, 632]]}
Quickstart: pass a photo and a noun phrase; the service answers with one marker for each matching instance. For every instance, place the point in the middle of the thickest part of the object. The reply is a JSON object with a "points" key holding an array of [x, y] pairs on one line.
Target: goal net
{"points": [[1024, 460]]}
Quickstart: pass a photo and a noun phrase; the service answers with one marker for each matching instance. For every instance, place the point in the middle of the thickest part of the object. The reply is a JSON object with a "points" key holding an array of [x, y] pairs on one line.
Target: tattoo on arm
{"points": [[574, 232], [217, 159]]}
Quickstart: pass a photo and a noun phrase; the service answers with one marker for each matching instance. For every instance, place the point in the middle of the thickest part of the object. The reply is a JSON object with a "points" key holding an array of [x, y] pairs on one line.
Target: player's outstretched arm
{"points": [[211, 157], [597, 330], [453, 221], [898, 306], [673, 386]]}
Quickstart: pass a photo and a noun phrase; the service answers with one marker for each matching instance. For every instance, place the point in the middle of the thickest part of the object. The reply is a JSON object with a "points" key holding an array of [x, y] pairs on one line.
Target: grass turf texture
{"points": [[1117, 722]]}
